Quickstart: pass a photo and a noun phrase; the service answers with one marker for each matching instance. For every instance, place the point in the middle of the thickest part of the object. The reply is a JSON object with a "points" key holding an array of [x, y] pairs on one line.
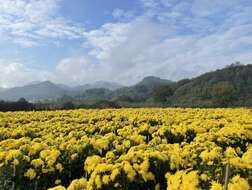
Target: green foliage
{"points": [[222, 93], [233, 82], [162, 93], [231, 86]]}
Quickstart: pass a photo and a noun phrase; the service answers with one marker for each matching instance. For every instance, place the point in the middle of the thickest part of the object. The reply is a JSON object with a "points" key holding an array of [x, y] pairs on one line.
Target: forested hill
{"points": [[227, 87], [231, 86]]}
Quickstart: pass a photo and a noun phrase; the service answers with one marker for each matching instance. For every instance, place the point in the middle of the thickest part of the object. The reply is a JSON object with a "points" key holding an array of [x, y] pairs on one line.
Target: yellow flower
{"points": [[230, 152], [78, 184], [110, 155], [91, 162], [58, 188], [74, 156], [57, 182], [35, 148], [117, 146], [216, 186], [211, 155], [204, 177], [31, 174], [59, 167], [106, 179], [183, 181], [37, 163], [16, 162], [175, 181], [98, 181], [238, 183], [190, 181], [129, 170], [247, 158], [115, 173], [13, 154], [157, 187]]}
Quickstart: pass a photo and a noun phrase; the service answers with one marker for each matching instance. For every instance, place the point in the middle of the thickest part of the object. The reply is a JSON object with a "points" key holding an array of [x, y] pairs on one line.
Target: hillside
{"points": [[230, 86], [199, 90], [140, 92]]}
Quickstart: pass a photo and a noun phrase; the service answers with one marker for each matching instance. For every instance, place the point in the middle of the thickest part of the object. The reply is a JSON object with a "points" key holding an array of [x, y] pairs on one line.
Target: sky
{"points": [[82, 41]]}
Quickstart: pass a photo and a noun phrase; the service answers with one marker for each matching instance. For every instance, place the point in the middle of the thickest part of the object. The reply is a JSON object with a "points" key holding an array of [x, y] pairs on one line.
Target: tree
{"points": [[161, 93], [222, 93], [235, 64], [68, 105], [23, 104]]}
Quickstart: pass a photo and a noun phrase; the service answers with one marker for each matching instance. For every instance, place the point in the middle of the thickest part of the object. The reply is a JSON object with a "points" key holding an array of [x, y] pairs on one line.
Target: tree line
{"points": [[228, 87], [221, 94]]}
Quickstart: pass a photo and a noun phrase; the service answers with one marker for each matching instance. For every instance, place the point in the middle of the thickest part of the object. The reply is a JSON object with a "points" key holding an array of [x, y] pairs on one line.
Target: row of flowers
{"points": [[126, 149]]}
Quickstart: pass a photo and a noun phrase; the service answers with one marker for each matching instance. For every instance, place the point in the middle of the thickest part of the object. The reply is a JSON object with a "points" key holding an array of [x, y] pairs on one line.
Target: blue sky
{"points": [[94, 13], [80, 41]]}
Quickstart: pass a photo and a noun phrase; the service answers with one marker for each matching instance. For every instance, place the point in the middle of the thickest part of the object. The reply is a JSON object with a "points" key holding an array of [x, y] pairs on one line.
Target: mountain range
{"points": [[47, 90], [234, 82]]}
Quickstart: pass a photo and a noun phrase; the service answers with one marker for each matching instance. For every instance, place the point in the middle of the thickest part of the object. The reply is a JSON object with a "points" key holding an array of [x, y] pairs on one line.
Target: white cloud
{"points": [[60, 29], [107, 37], [30, 21], [25, 42], [174, 44], [123, 15], [204, 8], [172, 39], [34, 10], [13, 73], [150, 3], [79, 70]]}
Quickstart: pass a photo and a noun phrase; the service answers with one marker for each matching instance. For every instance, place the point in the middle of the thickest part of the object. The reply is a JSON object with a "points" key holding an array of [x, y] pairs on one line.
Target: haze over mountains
{"points": [[231, 85], [47, 90], [37, 90]]}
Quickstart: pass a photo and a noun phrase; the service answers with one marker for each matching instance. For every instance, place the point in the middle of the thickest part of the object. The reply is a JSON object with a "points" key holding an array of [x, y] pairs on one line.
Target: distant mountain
{"points": [[98, 84], [141, 91], [153, 81], [113, 91], [230, 86], [36, 90], [107, 85], [33, 92], [34, 83], [63, 86]]}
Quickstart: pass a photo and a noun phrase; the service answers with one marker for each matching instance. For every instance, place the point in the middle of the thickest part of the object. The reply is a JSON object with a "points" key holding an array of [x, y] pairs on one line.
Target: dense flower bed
{"points": [[173, 149]]}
